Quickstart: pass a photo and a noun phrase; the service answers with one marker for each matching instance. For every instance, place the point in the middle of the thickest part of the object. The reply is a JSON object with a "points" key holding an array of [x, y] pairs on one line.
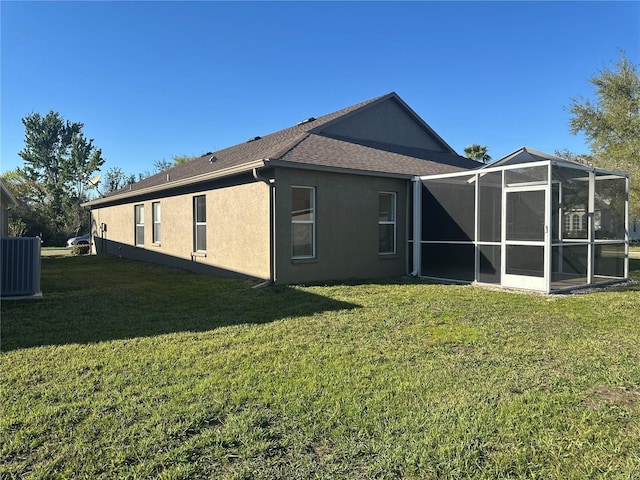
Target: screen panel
{"points": [[569, 265], [609, 214], [526, 176], [526, 215], [490, 262], [490, 207], [525, 260], [609, 260], [448, 207], [453, 262]]}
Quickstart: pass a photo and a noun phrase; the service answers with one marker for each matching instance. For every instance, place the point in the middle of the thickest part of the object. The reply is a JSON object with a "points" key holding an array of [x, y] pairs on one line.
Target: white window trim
{"points": [[311, 222], [196, 224], [393, 222], [136, 224], [156, 221]]}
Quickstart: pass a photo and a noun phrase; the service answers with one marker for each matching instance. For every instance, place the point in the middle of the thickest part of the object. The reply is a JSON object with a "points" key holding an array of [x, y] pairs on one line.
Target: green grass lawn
{"points": [[129, 370]]}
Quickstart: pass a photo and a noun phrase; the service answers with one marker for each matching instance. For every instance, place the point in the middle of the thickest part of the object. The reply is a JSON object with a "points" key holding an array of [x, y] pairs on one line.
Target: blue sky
{"points": [[155, 79]]}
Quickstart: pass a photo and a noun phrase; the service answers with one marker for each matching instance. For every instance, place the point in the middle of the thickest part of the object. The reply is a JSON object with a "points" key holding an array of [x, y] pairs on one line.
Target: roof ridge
{"points": [[296, 141]]}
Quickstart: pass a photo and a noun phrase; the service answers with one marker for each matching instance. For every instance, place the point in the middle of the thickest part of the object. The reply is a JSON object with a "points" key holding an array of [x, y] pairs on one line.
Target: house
{"points": [[372, 191], [328, 198], [634, 231], [7, 202]]}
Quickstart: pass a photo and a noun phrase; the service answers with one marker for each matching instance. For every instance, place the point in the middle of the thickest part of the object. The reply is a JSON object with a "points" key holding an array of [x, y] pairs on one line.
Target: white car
{"points": [[82, 240]]}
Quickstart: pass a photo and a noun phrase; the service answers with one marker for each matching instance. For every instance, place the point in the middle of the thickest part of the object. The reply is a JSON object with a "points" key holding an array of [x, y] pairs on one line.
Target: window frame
{"points": [[312, 222], [576, 222], [138, 214], [394, 222], [156, 223], [197, 224]]}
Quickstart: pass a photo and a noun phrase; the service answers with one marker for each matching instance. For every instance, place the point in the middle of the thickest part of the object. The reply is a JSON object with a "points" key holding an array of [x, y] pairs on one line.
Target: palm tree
{"points": [[477, 152]]}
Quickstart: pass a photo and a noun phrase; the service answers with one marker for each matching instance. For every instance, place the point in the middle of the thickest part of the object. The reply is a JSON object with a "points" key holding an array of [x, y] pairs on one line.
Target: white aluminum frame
{"points": [[525, 281], [548, 244]]}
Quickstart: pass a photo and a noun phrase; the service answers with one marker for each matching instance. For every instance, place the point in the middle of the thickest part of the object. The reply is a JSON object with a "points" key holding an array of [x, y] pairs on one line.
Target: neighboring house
{"points": [[19, 256], [7, 202], [634, 231], [326, 199]]}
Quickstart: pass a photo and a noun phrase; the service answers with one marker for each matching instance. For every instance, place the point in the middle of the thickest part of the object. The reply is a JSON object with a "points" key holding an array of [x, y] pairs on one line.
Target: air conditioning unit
{"points": [[20, 266]]}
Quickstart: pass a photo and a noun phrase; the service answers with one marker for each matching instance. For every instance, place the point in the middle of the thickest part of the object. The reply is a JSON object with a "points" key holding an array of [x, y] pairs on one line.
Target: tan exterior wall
{"points": [[346, 227], [237, 229]]}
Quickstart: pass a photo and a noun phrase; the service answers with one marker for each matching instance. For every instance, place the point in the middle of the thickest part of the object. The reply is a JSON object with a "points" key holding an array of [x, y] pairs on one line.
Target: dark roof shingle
{"points": [[299, 144]]}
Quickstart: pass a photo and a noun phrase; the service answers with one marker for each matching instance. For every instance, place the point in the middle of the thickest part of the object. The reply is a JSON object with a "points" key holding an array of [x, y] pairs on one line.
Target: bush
{"points": [[80, 249]]}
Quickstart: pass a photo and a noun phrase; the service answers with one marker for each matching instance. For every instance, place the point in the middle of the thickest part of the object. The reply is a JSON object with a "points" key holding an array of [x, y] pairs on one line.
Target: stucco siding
{"points": [[237, 229], [239, 233], [347, 231], [119, 222]]}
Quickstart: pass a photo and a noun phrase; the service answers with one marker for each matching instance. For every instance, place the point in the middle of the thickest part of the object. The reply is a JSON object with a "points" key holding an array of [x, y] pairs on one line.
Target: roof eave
{"points": [[227, 172], [9, 197]]}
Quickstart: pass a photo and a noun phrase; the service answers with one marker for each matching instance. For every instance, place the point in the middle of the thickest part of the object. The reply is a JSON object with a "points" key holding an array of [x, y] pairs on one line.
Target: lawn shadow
{"points": [[94, 299]]}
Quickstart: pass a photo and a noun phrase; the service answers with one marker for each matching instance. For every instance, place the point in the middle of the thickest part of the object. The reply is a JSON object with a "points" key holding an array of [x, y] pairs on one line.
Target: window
{"points": [[156, 221], [576, 223], [386, 222], [200, 223], [139, 229], [303, 222]]}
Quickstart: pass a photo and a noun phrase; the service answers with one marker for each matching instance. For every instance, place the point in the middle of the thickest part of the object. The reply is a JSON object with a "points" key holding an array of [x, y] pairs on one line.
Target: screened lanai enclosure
{"points": [[530, 221]]}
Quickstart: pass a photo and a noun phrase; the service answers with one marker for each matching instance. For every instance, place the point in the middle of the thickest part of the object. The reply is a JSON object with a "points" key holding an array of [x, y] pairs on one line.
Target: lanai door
{"points": [[524, 231]]}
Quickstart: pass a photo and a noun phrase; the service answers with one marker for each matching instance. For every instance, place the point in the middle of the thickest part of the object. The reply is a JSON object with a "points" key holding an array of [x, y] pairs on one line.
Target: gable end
{"points": [[388, 121]]}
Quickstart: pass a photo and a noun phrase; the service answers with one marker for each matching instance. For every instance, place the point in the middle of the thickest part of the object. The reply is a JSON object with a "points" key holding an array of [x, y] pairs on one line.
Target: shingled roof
{"points": [[305, 145]]}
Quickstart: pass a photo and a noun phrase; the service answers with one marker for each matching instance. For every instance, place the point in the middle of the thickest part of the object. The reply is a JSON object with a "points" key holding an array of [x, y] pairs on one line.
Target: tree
{"points": [[611, 123], [115, 179], [581, 158], [85, 160], [180, 159], [61, 160], [477, 152], [161, 165]]}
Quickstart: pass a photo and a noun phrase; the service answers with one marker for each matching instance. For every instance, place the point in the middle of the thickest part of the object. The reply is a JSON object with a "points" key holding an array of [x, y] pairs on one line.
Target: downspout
{"points": [[417, 226], [271, 183]]}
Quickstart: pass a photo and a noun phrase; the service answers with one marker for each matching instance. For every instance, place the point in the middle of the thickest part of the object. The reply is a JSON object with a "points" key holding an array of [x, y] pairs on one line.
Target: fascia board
{"points": [[11, 200]]}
